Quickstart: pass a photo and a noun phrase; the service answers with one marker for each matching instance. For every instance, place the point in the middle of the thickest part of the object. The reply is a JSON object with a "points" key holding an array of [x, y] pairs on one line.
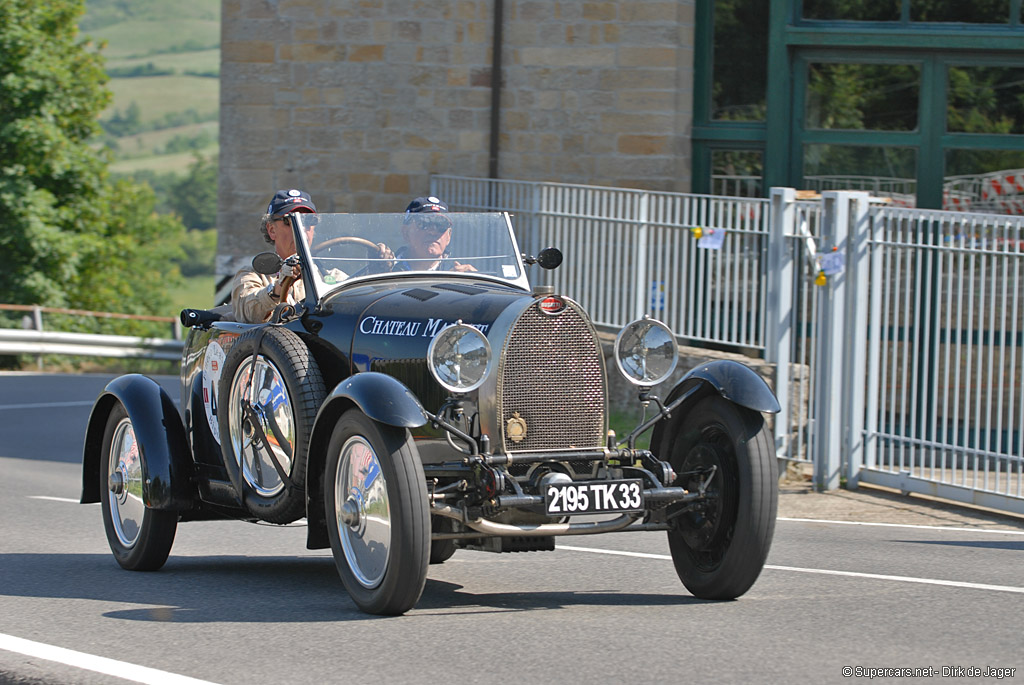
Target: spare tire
{"points": [[264, 442]]}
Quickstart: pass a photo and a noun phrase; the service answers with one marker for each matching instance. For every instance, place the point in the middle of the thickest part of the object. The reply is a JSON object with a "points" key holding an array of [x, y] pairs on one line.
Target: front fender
{"points": [[381, 398], [735, 382], [163, 448]]}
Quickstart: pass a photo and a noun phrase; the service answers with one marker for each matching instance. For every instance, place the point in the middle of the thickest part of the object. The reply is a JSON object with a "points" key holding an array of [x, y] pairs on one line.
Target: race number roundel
{"points": [[212, 366]]}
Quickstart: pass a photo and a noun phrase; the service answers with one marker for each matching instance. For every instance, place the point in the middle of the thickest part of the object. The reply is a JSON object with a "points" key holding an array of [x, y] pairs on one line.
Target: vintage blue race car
{"points": [[411, 407]]}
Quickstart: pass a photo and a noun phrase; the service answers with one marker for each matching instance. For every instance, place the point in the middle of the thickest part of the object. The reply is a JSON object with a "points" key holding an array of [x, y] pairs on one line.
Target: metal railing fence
{"points": [[896, 333], [634, 252], [32, 339], [946, 407]]}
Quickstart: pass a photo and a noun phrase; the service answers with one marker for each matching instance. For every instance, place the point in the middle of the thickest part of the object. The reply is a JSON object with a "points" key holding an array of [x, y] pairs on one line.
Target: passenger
{"points": [[253, 295], [427, 232]]}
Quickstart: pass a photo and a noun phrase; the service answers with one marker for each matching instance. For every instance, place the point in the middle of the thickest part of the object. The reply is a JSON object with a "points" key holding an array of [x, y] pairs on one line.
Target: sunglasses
{"points": [[309, 220], [434, 224]]}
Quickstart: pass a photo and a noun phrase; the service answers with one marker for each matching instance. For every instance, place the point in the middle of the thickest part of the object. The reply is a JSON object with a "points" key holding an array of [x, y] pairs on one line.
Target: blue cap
{"points": [[288, 201], [426, 204]]}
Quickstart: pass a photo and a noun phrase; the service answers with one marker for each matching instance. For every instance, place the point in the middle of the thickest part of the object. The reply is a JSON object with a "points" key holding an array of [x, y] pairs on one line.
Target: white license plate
{"points": [[594, 497]]}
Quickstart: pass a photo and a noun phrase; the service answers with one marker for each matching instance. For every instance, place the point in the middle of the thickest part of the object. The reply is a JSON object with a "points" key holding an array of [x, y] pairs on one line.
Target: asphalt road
{"points": [[241, 603]]}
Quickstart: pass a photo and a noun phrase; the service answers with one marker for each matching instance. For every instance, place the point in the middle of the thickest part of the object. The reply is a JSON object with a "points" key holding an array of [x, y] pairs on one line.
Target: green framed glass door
{"points": [[924, 129]]}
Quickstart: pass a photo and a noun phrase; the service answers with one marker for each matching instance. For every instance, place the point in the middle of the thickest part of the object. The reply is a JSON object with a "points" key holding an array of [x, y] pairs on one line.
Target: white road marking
{"points": [[98, 664], [48, 405], [57, 499], [901, 579], [905, 525], [613, 552], [827, 572]]}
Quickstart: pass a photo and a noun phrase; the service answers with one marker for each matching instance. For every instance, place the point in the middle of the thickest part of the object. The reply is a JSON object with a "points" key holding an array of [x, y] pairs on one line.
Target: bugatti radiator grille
{"points": [[552, 380]]}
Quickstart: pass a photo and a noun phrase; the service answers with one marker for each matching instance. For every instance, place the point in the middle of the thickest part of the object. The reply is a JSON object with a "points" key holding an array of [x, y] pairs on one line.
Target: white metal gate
{"points": [[897, 334]]}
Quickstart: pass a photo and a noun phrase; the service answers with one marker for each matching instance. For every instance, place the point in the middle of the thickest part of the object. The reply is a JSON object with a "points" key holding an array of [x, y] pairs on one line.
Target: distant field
{"points": [[138, 32], [200, 60], [159, 95], [178, 163], [135, 38], [142, 144]]}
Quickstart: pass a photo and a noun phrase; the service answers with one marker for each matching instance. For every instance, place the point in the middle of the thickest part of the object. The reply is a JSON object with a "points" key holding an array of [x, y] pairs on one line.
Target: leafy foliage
{"points": [[70, 235]]}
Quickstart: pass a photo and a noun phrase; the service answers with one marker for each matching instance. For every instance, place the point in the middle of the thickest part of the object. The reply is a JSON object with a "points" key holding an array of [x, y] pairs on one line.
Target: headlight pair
{"points": [[459, 357]]}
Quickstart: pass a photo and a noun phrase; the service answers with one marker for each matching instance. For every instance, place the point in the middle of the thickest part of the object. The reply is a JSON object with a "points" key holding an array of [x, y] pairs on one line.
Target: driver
{"points": [[253, 295], [427, 232]]}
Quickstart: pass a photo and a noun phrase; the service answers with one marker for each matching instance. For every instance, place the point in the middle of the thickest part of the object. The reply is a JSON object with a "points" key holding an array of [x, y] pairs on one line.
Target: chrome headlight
{"points": [[459, 358], [645, 352]]}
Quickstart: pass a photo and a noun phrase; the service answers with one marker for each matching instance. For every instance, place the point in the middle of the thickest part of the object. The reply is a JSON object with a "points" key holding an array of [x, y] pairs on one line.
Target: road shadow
{"points": [[243, 589], [441, 597]]}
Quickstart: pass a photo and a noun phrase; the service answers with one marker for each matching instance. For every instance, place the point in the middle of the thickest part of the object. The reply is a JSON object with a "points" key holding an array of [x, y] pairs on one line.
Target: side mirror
{"points": [[266, 263], [550, 258]]}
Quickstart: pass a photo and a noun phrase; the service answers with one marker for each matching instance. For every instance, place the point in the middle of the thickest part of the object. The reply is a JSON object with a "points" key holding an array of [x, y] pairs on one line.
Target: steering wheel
{"points": [[328, 244]]}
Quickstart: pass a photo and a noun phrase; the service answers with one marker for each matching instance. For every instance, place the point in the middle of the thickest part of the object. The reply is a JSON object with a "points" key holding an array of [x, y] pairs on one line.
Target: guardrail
{"points": [[32, 339], [14, 341]]}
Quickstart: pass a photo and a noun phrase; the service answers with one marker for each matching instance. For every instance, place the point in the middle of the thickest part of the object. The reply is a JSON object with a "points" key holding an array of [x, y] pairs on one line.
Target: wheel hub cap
{"points": [[363, 512], [259, 399], [124, 481]]}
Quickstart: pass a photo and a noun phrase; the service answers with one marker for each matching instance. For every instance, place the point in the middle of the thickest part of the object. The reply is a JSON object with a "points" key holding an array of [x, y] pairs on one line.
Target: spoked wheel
{"points": [[719, 544], [378, 520], [271, 404], [139, 537]]}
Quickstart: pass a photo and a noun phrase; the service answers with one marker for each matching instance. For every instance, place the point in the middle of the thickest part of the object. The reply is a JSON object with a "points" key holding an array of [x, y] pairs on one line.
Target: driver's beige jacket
{"points": [[250, 296]]}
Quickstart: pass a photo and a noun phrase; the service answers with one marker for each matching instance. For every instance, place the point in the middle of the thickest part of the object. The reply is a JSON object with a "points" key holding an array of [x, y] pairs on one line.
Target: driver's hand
{"points": [[388, 255], [463, 267], [290, 269]]}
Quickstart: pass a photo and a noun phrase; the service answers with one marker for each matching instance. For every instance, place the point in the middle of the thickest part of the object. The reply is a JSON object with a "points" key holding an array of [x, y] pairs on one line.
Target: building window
{"points": [[739, 60], [882, 170], [875, 97], [737, 173], [989, 181], [985, 100], [963, 11], [852, 10]]}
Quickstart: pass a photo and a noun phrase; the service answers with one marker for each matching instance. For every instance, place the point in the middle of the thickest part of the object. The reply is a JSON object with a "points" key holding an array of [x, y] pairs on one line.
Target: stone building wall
{"points": [[360, 101]]}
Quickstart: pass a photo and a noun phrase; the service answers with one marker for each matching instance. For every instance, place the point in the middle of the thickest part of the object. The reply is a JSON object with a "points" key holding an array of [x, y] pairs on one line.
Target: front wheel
{"points": [[139, 537], [378, 519], [719, 545]]}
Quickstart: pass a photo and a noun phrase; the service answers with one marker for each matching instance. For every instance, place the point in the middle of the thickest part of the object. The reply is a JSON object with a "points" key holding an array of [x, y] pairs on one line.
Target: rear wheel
{"points": [[139, 537], [271, 403], [378, 519], [719, 545]]}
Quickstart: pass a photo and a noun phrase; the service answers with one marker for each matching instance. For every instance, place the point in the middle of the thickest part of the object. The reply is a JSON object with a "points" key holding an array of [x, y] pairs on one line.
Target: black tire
{"points": [[720, 546], [441, 550], [139, 537], [382, 546], [290, 390]]}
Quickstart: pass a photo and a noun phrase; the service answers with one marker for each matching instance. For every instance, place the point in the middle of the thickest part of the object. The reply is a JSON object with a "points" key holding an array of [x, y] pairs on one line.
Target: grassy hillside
{"points": [[174, 111]]}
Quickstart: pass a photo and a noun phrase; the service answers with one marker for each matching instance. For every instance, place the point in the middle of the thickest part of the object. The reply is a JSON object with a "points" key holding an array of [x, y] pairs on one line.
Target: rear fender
{"points": [[735, 382], [381, 398], [166, 462]]}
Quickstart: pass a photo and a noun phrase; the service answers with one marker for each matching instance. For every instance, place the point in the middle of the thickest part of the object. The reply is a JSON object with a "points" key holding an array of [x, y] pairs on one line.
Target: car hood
{"points": [[394, 324]]}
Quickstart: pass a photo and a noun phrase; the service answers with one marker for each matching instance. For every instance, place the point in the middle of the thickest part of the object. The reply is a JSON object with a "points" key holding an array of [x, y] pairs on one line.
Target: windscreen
{"points": [[346, 248]]}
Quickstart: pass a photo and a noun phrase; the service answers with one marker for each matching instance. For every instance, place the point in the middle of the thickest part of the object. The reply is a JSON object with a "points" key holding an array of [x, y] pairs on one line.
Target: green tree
{"points": [[194, 197], [69, 235]]}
